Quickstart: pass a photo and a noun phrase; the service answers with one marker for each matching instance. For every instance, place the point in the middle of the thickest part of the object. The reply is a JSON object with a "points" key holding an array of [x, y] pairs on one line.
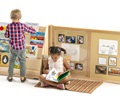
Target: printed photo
{"points": [[70, 39], [113, 71], [108, 47], [72, 65], [112, 61], [79, 66], [61, 38], [80, 39], [100, 69]]}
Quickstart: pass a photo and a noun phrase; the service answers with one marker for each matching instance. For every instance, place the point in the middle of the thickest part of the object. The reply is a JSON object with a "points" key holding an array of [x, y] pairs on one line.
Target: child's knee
{"points": [[65, 80], [41, 77]]}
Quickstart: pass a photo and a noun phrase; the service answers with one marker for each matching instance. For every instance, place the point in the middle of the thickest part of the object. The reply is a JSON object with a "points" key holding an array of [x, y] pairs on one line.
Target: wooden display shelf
{"points": [[33, 65]]}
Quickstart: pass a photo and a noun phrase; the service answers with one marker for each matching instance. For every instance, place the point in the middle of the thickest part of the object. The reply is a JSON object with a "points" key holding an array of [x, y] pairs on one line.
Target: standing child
{"points": [[15, 31], [55, 61]]}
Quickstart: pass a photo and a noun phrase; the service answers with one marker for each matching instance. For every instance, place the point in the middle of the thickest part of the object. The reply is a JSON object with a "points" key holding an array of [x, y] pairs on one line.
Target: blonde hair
{"points": [[15, 14]]}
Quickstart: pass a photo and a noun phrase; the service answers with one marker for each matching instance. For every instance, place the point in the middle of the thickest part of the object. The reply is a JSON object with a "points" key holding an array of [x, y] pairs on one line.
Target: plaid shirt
{"points": [[15, 31]]}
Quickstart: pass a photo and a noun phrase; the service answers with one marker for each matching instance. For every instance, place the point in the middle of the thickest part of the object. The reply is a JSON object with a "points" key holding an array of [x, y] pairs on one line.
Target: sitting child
{"points": [[55, 61]]}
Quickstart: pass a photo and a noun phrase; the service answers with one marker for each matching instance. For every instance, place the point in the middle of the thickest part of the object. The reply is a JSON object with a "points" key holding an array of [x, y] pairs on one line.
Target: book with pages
{"points": [[54, 76]]}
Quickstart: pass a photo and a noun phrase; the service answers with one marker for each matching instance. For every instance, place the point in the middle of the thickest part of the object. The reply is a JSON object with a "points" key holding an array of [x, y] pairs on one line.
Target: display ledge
{"points": [[29, 73]]}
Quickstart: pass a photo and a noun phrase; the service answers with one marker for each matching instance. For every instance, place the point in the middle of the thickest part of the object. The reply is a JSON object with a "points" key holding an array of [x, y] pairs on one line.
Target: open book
{"points": [[53, 75]]}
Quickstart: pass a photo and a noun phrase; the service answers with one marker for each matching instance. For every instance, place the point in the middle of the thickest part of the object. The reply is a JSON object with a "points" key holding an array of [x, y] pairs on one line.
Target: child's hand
{"points": [[59, 73], [27, 33]]}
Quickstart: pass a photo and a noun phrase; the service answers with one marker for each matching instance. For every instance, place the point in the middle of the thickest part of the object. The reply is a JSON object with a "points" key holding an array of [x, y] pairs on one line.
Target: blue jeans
{"points": [[22, 59]]}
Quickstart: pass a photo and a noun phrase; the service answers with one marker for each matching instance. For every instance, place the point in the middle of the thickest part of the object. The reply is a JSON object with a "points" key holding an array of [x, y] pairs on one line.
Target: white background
{"points": [[93, 14]]}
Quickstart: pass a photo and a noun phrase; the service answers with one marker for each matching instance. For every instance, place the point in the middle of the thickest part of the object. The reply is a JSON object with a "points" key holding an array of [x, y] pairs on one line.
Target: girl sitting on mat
{"points": [[55, 61]]}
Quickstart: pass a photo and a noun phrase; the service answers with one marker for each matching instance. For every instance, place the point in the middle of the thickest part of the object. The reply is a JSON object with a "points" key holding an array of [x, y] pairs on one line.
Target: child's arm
{"points": [[29, 29], [67, 67], [7, 32]]}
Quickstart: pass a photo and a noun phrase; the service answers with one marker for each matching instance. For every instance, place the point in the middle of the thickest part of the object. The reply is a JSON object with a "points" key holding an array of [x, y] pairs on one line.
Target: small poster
{"points": [[108, 47], [73, 50]]}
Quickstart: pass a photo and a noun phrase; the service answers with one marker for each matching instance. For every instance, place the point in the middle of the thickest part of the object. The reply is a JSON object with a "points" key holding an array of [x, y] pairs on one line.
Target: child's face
{"points": [[55, 57]]}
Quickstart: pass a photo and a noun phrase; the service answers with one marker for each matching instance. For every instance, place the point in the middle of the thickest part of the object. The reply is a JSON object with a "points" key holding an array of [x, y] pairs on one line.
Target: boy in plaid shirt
{"points": [[15, 31]]}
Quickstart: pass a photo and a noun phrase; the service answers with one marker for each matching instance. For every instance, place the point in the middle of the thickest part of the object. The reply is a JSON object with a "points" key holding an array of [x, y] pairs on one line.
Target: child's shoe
{"points": [[9, 79], [61, 86], [23, 79], [44, 84]]}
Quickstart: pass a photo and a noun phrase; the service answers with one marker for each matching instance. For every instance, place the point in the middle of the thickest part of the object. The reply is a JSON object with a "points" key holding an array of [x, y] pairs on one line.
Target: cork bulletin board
{"points": [[105, 56], [97, 53], [75, 42]]}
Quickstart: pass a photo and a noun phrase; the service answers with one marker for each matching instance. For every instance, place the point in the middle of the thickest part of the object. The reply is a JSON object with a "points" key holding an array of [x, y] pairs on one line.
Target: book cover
{"points": [[4, 45], [31, 51], [37, 39], [53, 75]]}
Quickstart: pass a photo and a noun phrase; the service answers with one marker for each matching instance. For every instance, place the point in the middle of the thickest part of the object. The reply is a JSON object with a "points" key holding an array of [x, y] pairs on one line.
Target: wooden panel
{"points": [[89, 51], [33, 64]]}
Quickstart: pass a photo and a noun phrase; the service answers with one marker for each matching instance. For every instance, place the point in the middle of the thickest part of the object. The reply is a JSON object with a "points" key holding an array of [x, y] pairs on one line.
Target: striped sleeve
{"points": [[29, 29]]}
